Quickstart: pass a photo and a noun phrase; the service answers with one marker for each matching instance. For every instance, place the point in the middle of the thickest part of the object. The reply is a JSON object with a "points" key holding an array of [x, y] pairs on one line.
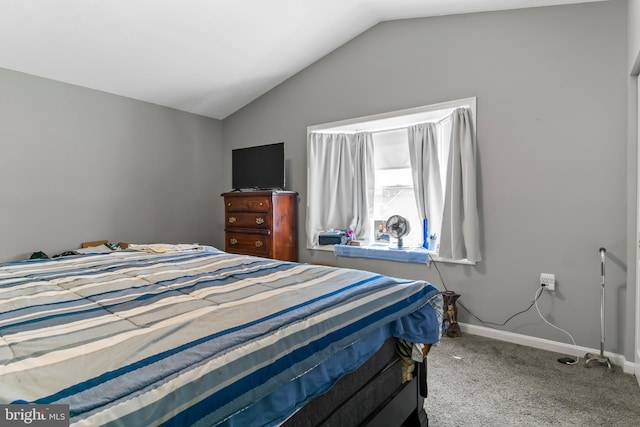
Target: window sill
{"points": [[382, 251]]}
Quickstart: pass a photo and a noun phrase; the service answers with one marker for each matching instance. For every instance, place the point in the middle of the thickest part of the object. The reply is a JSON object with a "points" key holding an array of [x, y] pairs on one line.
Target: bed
{"points": [[189, 335]]}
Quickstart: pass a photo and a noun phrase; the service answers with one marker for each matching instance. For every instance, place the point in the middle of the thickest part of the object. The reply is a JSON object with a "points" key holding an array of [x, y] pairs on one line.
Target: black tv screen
{"points": [[260, 167]]}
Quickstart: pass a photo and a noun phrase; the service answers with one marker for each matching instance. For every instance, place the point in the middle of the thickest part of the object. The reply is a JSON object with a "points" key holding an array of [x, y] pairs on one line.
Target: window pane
{"points": [[391, 149], [394, 185], [394, 196]]}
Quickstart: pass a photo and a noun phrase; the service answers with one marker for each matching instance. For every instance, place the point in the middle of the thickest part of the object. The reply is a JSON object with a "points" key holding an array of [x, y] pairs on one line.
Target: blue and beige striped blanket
{"points": [[189, 337]]}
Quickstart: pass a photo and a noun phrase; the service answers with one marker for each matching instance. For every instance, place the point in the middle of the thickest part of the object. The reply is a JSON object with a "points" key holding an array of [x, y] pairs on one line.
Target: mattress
{"points": [[194, 337]]}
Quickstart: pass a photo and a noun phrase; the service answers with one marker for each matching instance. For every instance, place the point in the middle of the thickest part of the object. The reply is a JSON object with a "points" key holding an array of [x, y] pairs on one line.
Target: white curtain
{"points": [[425, 171], [460, 225], [340, 183]]}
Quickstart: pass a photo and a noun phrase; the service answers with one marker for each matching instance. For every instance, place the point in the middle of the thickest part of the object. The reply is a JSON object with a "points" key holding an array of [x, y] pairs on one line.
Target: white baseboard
{"points": [[543, 344]]}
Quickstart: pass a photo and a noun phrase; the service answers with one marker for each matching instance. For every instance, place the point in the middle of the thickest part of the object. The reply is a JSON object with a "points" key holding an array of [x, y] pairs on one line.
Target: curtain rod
{"points": [[387, 129], [392, 128]]}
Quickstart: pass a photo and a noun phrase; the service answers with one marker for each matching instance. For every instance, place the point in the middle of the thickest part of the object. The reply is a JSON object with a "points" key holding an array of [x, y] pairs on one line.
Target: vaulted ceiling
{"points": [[209, 57]]}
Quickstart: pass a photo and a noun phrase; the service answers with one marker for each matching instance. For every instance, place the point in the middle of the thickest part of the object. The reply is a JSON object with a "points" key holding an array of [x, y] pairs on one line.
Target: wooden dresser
{"points": [[262, 223]]}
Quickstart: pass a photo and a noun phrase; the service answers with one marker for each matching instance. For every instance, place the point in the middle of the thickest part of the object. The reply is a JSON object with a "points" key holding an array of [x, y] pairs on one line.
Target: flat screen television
{"points": [[258, 168]]}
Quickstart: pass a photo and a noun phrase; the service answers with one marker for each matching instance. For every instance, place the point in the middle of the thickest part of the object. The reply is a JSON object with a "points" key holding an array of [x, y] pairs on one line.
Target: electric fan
{"points": [[398, 227]]}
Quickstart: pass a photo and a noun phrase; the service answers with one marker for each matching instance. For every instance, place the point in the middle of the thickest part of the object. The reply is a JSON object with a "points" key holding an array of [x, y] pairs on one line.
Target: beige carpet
{"points": [[476, 381]]}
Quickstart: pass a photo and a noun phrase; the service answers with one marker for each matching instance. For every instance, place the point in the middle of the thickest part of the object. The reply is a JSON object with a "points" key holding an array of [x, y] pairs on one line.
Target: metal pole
{"points": [[601, 358], [603, 251]]}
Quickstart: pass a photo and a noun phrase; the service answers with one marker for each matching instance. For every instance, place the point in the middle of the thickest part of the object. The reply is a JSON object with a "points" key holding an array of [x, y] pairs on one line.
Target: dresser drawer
{"points": [[255, 244], [247, 204], [247, 219]]}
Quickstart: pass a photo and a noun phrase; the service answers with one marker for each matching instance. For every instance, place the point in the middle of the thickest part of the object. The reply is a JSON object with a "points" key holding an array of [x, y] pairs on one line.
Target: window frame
{"points": [[396, 120]]}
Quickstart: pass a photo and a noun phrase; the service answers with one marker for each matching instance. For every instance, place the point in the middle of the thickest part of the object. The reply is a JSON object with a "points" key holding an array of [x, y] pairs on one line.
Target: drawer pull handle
{"points": [[259, 243], [232, 219], [261, 203], [233, 241], [229, 204], [259, 220]]}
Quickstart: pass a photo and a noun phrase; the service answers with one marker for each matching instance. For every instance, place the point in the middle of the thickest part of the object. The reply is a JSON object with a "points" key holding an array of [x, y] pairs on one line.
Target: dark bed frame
{"points": [[373, 395]]}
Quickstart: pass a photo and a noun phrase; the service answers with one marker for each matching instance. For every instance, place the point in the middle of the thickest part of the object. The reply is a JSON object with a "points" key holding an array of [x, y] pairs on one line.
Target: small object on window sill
{"points": [[333, 237], [357, 243]]}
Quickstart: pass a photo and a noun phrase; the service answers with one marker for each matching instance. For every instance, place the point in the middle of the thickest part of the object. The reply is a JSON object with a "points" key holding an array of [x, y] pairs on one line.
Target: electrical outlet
{"points": [[548, 281]]}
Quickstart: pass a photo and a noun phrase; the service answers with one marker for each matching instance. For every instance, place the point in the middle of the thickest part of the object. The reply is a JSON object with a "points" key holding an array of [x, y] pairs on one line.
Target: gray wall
{"points": [[633, 44], [634, 34], [552, 89], [79, 164]]}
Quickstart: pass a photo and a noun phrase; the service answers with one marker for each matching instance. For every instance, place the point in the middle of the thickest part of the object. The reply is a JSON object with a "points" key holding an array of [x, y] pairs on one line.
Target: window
{"points": [[393, 189], [379, 181]]}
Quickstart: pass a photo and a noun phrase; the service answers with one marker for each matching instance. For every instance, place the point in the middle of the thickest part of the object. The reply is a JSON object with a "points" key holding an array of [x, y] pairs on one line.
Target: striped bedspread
{"points": [[185, 338]]}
